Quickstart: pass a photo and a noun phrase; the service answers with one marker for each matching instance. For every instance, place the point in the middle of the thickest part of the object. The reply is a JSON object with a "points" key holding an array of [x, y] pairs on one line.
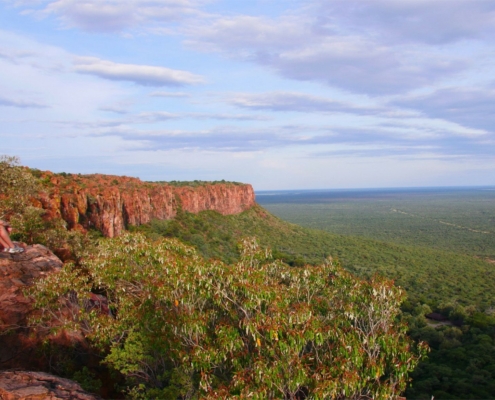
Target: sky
{"points": [[281, 94]]}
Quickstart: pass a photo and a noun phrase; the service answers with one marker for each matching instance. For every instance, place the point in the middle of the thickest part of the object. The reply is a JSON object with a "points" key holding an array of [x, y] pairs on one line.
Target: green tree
{"points": [[183, 327], [19, 189]]}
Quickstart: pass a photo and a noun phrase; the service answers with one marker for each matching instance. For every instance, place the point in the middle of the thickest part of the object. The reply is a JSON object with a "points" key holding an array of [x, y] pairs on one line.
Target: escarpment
{"points": [[111, 203]]}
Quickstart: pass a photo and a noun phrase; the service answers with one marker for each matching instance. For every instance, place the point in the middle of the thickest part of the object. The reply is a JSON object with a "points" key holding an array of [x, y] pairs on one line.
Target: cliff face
{"points": [[111, 203]]}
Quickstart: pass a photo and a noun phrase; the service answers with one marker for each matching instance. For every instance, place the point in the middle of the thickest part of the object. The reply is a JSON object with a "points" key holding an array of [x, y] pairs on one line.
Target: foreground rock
{"points": [[17, 272], [16, 385], [19, 345]]}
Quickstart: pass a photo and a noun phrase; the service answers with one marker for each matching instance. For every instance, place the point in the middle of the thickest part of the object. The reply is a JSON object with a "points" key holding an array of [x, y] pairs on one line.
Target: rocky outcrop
{"points": [[42, 349], [16, 385], [112, 203], [17, 272], [19, 344]]}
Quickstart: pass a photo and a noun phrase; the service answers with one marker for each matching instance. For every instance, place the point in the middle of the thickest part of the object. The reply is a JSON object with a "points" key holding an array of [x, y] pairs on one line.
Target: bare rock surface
{"points": [[19, 345], [17, 272], [26, 385], [112, 203]]}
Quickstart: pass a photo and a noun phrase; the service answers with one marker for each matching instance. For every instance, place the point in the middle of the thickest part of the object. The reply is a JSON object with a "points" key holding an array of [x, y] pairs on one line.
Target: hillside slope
{"points": [[429, 276]]}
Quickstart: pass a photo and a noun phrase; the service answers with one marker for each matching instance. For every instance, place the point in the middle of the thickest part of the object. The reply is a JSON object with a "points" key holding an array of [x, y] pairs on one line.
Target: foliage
{"points": [[459, 220], [442, 231], [19, 188], [185, 327], [429, 276], [87, 380], [69, 362], [197, 183], [461, 364]]}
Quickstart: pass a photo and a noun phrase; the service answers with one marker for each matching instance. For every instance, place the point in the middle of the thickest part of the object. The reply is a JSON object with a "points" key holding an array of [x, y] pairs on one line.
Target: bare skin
{"points": [[5, 241]]}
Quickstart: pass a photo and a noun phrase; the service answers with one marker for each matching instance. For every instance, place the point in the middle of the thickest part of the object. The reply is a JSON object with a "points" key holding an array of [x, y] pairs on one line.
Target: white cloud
{"points": [[304, 47], [95, 15], [111, 15], [470, 106], [169, 94], [270, 94], [145, 75], [164, 116], [241, 33], [424, 21], [117, 109], [294, 101], [20, 103]]}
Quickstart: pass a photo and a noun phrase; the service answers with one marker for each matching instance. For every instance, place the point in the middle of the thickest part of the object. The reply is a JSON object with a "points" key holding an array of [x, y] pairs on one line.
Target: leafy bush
{"points": [[19, 188], [183, 327]]}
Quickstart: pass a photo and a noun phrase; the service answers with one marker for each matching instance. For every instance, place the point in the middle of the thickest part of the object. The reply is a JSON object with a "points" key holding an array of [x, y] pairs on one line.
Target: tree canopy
{"points": [[183, 327]]}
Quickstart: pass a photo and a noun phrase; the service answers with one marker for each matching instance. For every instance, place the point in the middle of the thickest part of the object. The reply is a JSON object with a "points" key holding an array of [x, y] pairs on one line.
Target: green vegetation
{"points": [[459, 286], [432, 243], [456, 220], [182, 327], [197, 183], [461, 363], [429, 276], [175, 332]]}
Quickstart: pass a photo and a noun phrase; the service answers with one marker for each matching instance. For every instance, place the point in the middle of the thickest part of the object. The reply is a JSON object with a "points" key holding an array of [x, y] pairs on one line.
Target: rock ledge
{"points": [[26, 385]]}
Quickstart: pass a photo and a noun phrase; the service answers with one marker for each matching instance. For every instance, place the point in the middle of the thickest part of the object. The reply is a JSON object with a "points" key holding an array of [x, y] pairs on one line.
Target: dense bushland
{"points": [[458, 286], [429, 276], [459, 220], [183, 327]]}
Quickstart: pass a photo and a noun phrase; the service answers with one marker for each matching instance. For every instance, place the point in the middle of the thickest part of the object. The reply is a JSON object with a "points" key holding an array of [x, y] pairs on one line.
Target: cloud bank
{"points": [[291, 86]]}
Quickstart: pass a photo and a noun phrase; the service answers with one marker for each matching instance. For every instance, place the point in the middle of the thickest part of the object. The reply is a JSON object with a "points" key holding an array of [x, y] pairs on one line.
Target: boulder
{"points": [[19, 344], [26, 385], [17, 272]]}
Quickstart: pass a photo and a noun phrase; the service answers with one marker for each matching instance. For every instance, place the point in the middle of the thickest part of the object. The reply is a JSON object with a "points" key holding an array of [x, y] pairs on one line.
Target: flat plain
{"points": [[461, 220]]}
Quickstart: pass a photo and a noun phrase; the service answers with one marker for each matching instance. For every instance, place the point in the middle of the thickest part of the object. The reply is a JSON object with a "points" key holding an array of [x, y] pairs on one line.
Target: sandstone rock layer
{"points": [[26, 385], [17, 272], [112, 203], [19, 344]]}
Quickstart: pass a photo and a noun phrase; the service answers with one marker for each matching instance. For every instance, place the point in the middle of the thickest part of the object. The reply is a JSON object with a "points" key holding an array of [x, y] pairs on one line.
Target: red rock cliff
{"points": [[111, 203]]}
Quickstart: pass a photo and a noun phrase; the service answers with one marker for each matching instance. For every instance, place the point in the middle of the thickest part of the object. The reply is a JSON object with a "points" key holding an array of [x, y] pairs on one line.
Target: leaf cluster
{"points": [[258, 328], [19, 191]]}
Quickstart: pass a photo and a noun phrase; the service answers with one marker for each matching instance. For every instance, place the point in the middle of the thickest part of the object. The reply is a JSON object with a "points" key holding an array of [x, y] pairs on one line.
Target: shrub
{"points": [[19, 187], [184, 327]]}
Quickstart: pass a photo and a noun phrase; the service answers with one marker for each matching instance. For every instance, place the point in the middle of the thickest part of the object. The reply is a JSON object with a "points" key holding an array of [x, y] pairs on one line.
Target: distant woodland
{"points": [[440, 245]]}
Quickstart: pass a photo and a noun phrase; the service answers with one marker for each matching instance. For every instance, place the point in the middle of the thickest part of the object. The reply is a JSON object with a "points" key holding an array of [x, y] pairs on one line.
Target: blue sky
{"points": [[282, 94]]}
